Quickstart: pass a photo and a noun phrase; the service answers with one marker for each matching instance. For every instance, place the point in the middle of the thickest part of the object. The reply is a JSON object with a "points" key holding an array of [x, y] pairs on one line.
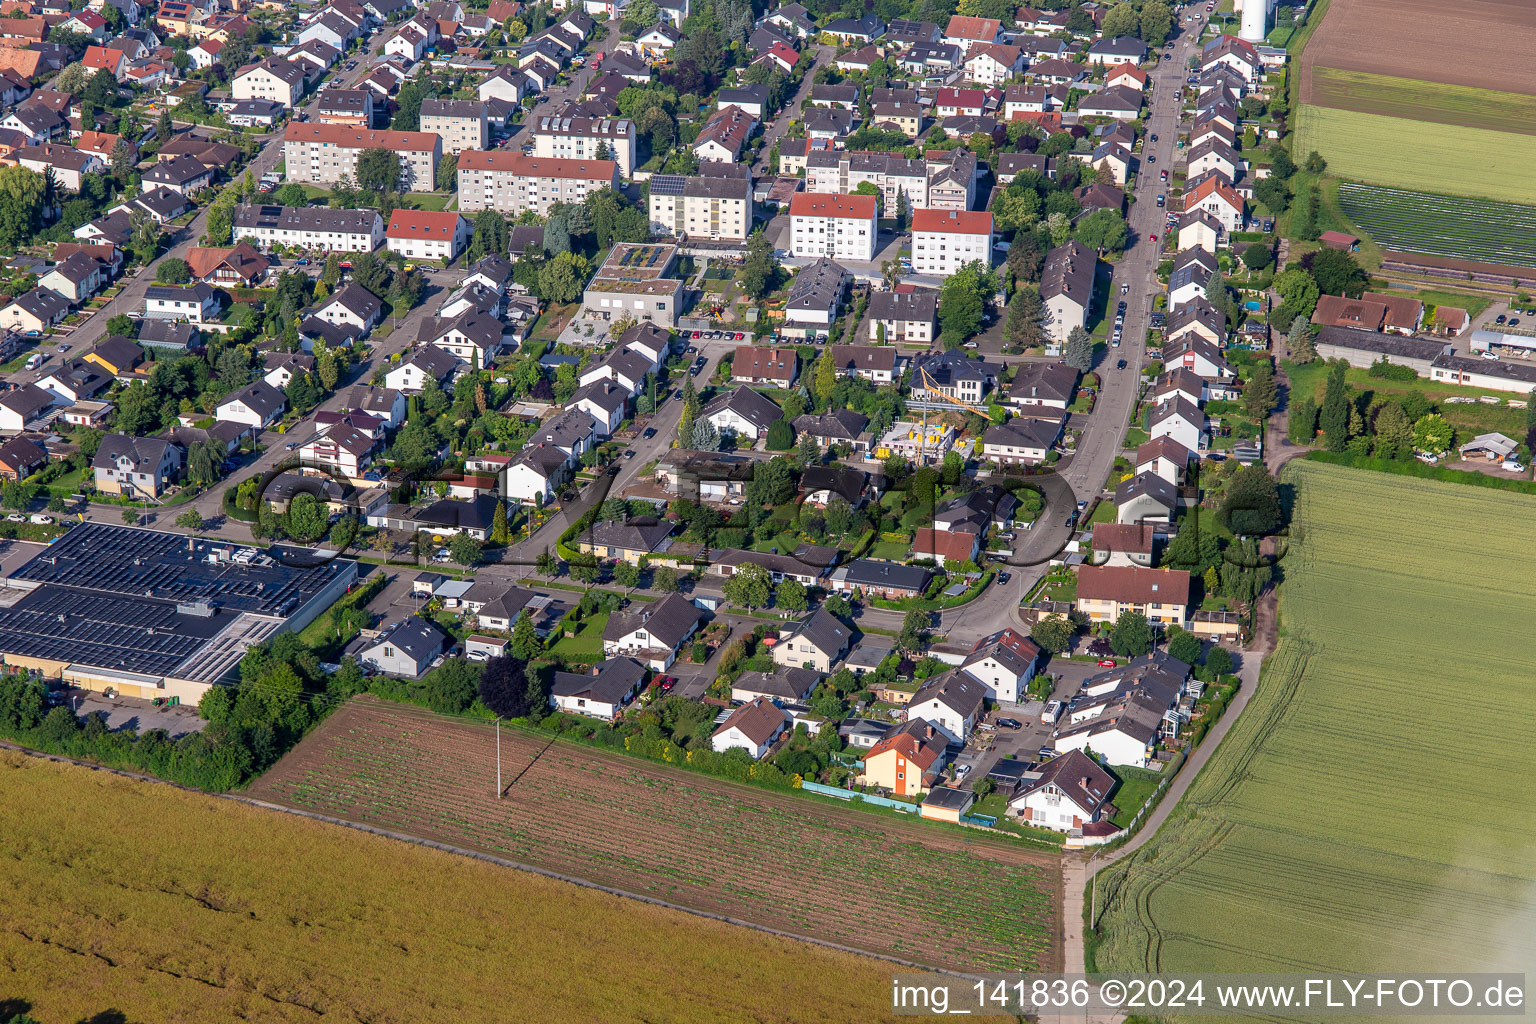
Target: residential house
{"points": [[427, 235], [835, 426], [754, 727], [34, 311], [603, 692], [952, 703], [894, 318], [271, 79], [331, 230], [627, 540], [880, 579], [652, 633], [196, 303], [181, 174], [20, 458], [1146, 498], [75, 278], [742, 412], [1042, 386], [1003, 663], [755, 365], [724, 136], [1022, 440], [782, 686], [1071, 791], [1133, 543], [1220, 200], [1117, 51], [953, 375], [257, 405], [136, 467], [944, 547], [907, 760], [117, 355], [992, 64], [970, 33], [407, 649], [1162, 596], [819, 641], [1066, 287], [1179, 420], [1166, 458], [697, 206]]}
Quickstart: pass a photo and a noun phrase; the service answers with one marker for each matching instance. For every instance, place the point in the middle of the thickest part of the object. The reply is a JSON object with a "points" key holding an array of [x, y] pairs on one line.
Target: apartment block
{"points": [[311, 227], [323, 154], [943, 241], [586, 138], [512, 183], [719, 209], [835, 170], [836, 226], [461, 124]]}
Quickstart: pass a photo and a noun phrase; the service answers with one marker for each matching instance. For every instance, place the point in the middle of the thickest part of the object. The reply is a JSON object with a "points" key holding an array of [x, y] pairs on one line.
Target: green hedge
{"points": [[924, 604]]}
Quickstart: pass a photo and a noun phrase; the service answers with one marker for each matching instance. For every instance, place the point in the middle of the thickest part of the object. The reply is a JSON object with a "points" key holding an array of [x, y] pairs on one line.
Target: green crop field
{"points": [[1372, 809], [1416, 100], [1469, 229], [1419, 154]]}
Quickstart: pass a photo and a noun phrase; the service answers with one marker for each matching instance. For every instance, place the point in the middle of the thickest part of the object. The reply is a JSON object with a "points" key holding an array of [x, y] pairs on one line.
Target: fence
{"points": [[848, 794]]}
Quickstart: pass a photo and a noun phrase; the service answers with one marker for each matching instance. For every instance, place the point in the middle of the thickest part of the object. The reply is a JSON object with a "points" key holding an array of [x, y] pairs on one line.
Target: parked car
{"points": [[629, 453], [15, 517], [650, 432], [962, 772], [1120, 365], [1514, 322], [1151, 158], [41, 519], [1154, 136], [1004, 577], [1106, 663], [678, 394], [1009, 723], [1510, 466]]}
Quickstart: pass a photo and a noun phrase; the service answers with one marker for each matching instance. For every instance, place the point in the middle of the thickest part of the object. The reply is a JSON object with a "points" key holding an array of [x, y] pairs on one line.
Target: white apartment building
{"points": [[512, 183], [719, 209], [312, 227], [271, 79], [323, 154], [583, 138], [835, 226], [943, 241], [460, 124]]}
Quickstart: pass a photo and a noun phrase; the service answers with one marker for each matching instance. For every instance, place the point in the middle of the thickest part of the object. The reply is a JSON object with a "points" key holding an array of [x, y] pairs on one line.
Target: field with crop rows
{"points": [[1407, 153], [1423, 101], [907, 889], [1470, 229], [1371, 810], [132, 901]]}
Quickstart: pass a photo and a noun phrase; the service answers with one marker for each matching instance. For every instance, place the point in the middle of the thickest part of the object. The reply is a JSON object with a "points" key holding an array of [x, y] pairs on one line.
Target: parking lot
{"points": [[136, 713]]}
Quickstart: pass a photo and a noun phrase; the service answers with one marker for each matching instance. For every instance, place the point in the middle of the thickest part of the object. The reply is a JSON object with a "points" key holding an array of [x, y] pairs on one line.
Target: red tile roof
{"points": [[422, 224], [827, 204], [348, 137], [952, 222], [944, 545], [1131, 584], [964, 27], [536, 166]]}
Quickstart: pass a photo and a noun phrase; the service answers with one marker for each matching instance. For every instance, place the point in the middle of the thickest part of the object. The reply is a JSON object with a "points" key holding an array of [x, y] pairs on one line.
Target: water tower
{"points": [[1255, 19]]}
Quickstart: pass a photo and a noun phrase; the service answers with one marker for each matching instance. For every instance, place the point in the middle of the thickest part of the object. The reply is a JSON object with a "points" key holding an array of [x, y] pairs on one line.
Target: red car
{"points": [[740, 336], [697, 335], [1154, 238], [1106, 663]]}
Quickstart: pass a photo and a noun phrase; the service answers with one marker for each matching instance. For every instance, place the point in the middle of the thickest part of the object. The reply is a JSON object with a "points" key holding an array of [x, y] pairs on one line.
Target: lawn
{"points": [[1305, 840], [1103, 512], [587, 644], [1136, 785], [257, 915], [890, 550], [1469, 419], [1446, 158]]}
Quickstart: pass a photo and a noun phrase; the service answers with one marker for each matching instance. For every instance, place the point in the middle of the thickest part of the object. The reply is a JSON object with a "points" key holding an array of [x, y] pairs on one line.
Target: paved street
{"points": [[774, 130]]}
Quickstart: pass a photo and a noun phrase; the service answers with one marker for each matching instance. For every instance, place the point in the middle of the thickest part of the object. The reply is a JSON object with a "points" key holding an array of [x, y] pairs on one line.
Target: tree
{"points": [[1104, 230], [749, 587], [173, 270], [759, 270], [1156, 23], [204, 461], [1301, 427], [561, 279], [491, 235], [1299, 290], [1184, 645], [1131, 636], [448, 173], [557, 236], [499, 533], [1219, 660], [190, 520], [913, 626], [1121, 20], [1021, 325], [1256, 256], [1394, 432], [790, 596], [525, 640], [1259, 395], [1303, 350], [450, 688], [626, 574], [962, 301], [1337, 273], [163, 127], [1078, 351], [379, 170], [464, 549], [1053, 633], [664, 579], [824, 378], [1315, 164], [306, 518], [220, 222], [122, 324], [704, 437], [505, 687], [21, 204], [1336, 406], [1432, 434], [781, 437], [807, 451], [547, 564], [1252, 503]]}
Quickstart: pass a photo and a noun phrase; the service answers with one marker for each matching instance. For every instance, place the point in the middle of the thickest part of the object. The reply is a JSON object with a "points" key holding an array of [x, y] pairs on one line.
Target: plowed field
{"points": [[907, 889]]}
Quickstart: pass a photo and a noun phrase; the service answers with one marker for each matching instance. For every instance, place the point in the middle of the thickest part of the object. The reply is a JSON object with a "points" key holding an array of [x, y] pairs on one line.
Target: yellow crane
{"points": [[932, 387]]}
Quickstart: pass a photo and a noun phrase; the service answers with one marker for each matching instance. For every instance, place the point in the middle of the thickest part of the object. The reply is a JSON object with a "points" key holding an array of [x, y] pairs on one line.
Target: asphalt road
{"points": [[791, 112]]}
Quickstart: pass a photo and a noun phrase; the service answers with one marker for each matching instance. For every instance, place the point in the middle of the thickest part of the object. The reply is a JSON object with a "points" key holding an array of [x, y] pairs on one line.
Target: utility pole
{"points": [[498, 757]]}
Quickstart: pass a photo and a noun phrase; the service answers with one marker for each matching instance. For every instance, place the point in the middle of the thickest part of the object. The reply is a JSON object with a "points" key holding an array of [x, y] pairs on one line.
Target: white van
{"points": [[1052, 713], [34, 360]]}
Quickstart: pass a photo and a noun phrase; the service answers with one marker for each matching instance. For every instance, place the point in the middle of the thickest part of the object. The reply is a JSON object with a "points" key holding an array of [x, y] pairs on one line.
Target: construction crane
{"points": [[932, 387]]}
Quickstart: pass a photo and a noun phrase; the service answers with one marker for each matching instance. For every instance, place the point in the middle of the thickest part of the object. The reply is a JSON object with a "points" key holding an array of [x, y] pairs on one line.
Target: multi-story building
{"points": [[951, 179], [512, 183], [836, 226], [701, 207], [943, 241], [311, 227], [1066, 287], [587, 138], [427, 235], [902, 317], [353, 107], [831, 170], [323, 154], [461, 124], [272, 79]]}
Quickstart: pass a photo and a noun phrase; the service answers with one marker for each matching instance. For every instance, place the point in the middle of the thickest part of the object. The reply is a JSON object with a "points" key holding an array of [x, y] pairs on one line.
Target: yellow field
{"points": [[1420, 155], [175, 907]]}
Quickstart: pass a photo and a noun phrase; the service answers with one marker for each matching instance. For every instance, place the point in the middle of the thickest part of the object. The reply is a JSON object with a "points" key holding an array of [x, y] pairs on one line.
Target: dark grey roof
{"points": [[199, 292], [1079, 778], [1147, 485], [1045, 381], [334, 335], [146, 453], [955, 690], [668, 621], [866, 572], [1069, 270], [641, 534], [566, 430], [835, 93], [76, 268], [605, 394], [119, 351], [844, 481], [746, 95], [787, 684], [823, 630], [841, 423], [477, 513], [495, 268], [356, 299], [305, 218], [1026, 431], [260, 397], [950, 367], [419, 639], [1388, 345], [746, 403], [347, 101], [26, 401], [1120, 46], [163, 203], [830, 119], [853, 358], [433, 361], [818, 286], [452, 108], [1509, 369], [907, 306], [167, 334], [44, 303], [20, 453], [608, 683], [178, 170]]}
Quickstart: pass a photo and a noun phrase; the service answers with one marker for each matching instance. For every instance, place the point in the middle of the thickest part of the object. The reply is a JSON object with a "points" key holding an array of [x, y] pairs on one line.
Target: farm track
{"points": [[779, 861]]}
